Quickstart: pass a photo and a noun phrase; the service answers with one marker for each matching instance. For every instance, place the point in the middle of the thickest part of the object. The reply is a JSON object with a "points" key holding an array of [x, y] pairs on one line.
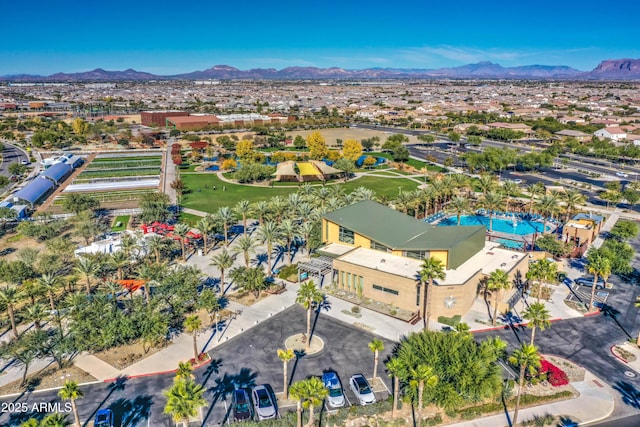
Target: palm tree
{"points": [[572, 199], [192, 325], [88, 267], [278, 206], [289, 230], [119, 261], [246, 245], [36, 313], [184, 371], [309, 296], [206, 225], [223, 261], [50, 283], [548, 207], [538, 317], [261, 209], [148, 273], [156, 244], [10, 296], [243, 207], [463, 329], [181, 229], [54, 420], [225, 216], [184, 399], [487, 183], [309, 393], [459, 205], [71, 392], [534, 190], [285, 356], [395, 368], [430, 270], [600, 266], [543, 271], [419, 377], [376, 346], [306, 229], [509, 189], [492, 202], [528, 359], [270, 234], [497, 281]]}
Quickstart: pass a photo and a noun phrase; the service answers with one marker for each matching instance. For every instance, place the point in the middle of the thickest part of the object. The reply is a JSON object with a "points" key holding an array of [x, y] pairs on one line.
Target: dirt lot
{"points": [[126, 355], [11, 243], [330, 135], [48, 378]]}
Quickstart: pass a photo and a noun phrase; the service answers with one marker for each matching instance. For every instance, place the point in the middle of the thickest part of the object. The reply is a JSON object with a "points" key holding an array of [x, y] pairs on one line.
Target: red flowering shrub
{"points": [[556, 376]]}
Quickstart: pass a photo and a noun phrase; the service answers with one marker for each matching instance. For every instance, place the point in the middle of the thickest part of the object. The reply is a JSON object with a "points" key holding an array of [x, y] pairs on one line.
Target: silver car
{"points": [[336, 395], [362, 389], [265, 408]]}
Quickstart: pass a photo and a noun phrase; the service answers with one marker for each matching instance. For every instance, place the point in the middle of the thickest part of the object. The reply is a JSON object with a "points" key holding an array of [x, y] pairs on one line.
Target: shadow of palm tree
{"points": [[260, 259], [226, 385], [131, 412], [629, 393], [613, 313], [117, 385], [212, 368]]}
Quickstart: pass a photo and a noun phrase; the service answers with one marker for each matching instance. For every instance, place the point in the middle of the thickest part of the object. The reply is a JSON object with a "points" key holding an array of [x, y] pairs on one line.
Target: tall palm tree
{"points": [[32, 289], [528, 359], [459, 205], [309, 296], [542, 270], [572, 199], [492, 202], [50, 283], [600, 266], [88, 267], [184, 399], [289, 230], [548, 207], [534, 190], [509, 189], [285, 356], [243, 208], [206, 225], [376, 346], [148, 273], [192, 325], [278, 206], [538, 317], [184, 371], [54, 420], [323, 194], [119, 261], [497, 281], [487, 183], [226, 217], [396, 369], [245, 245], [309, 393], [36, 313], [427, 195], [71, 392], [261, 209], [10, 296], [181, 230], [419, 377], [430, 270], [270, 235], [156, 244], [223, 261], [306, 229]]}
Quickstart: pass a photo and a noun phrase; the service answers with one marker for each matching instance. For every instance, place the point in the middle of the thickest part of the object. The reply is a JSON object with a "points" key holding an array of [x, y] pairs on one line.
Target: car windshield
{"points": [[242, 407], [363, 388], [263, 399], [335, 392]]}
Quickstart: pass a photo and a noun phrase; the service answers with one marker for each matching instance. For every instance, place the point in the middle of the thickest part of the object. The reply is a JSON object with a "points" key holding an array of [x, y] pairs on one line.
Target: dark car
{"points": [[104, 418], [588, 281], [241, 405]]}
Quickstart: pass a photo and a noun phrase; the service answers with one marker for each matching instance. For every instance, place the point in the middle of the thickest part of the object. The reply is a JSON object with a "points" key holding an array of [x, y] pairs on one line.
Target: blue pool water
{"points": [[520, 227]]}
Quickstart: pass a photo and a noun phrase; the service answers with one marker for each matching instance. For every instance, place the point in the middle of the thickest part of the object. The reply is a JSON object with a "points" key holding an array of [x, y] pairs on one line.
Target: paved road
{"points": [[632, 421], [245, 360], [10, 154]]}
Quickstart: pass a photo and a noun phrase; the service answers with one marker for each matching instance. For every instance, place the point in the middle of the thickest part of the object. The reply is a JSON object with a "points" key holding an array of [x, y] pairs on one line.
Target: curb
{"points": [[152, 374], [616, 356], [593, 313]]}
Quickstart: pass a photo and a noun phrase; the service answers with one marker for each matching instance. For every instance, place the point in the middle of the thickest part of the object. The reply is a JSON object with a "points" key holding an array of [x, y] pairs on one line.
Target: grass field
{"points": [[202, 196], [411, 162], [188, 218], [120, 223]]}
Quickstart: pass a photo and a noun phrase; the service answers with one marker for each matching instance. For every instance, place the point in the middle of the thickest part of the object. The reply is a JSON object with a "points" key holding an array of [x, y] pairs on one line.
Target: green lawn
{"points": [[411, 162], [202, 196], [190, 219], [120, 223]]}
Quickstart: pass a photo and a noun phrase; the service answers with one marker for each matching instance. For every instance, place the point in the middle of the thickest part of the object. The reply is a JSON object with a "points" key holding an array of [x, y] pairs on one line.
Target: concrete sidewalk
{"points": [[595, 403]]}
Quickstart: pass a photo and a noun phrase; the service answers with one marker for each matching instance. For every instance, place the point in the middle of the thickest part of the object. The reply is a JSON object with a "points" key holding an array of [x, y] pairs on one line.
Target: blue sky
{"points": [[168, 37]]}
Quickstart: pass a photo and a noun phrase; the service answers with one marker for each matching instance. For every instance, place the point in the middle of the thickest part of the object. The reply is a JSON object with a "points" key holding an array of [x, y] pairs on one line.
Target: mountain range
{"points": [[619, 69]]}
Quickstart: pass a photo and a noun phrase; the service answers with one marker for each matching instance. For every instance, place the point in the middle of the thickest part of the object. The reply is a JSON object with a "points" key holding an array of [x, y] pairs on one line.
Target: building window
{"points": [[379, 247], [346, 235], [383, 289], [417, 254], [418, 288]]}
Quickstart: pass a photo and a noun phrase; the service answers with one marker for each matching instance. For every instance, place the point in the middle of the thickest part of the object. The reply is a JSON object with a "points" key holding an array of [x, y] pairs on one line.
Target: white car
{"points": [[265, 408], [336, 395], [622, 174], [362, 389]]}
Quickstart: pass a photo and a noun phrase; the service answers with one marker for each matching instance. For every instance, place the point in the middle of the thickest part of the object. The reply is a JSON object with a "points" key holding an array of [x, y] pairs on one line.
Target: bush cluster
{"points": [[556, 376]]}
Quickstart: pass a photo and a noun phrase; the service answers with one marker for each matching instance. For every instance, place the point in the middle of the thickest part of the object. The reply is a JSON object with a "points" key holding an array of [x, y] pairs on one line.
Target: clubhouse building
{"points": [[377, 252]]}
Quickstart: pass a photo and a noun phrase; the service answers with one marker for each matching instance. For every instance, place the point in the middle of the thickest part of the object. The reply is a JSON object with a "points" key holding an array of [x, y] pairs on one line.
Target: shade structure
{"points": [[34, 191], [57, 172]]}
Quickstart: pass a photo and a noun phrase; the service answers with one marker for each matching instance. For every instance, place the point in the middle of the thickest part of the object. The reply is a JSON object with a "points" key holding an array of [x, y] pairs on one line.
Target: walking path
{"points": [[606, 227]]}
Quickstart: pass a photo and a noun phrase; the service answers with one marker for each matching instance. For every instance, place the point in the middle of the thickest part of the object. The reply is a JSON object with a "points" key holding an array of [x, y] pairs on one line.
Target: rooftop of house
{"points": [[490, 258], [591, 217], [396, 230]]}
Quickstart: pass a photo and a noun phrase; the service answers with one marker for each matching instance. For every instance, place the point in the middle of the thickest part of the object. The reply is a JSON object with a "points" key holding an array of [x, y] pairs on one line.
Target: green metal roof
{"points": [[397, 230]]}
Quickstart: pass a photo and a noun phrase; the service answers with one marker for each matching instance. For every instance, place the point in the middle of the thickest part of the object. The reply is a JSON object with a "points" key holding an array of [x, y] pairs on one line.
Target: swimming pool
{"points": [[519, 226]]}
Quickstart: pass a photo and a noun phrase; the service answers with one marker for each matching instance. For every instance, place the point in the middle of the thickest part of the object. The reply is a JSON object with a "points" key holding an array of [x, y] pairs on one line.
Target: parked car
{"points": [[263, 404], [104, 418], [588, 281], [361, 388], [241, 405], [336, 395], [24, 162]]}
